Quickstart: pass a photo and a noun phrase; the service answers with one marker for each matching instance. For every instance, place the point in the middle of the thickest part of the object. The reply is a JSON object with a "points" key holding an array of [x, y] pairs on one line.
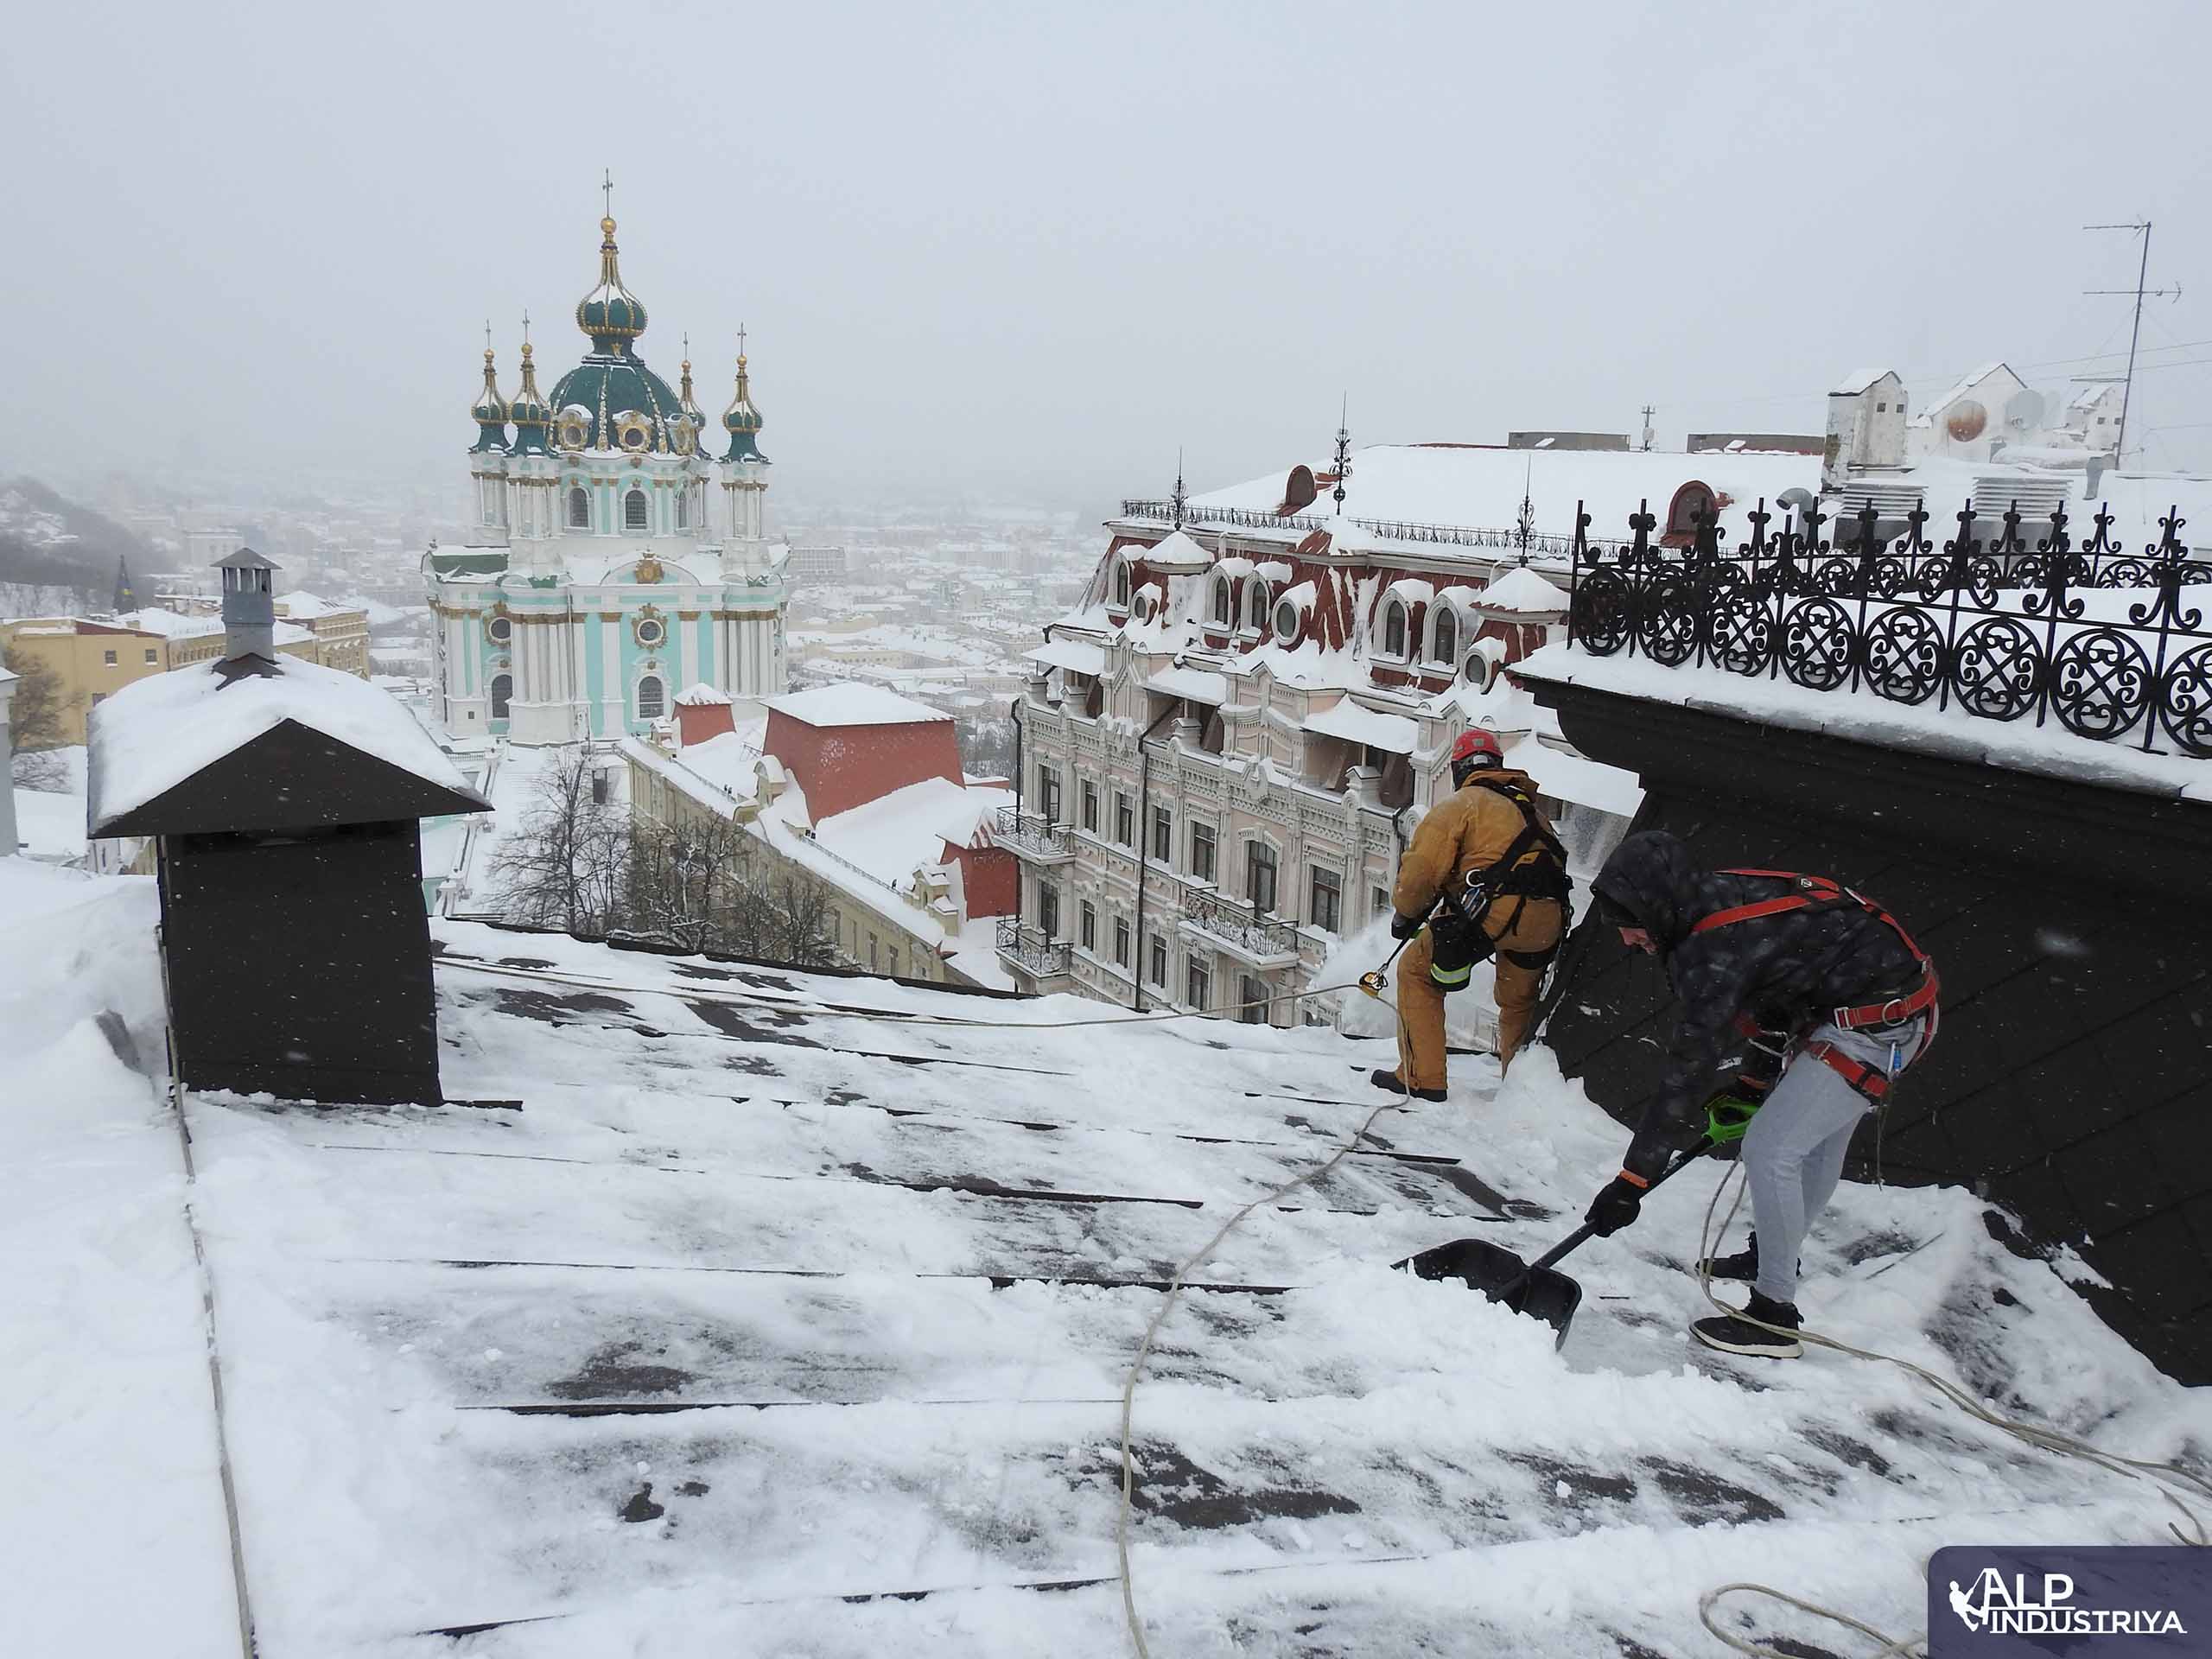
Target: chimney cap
{"points": [[244, 559]]}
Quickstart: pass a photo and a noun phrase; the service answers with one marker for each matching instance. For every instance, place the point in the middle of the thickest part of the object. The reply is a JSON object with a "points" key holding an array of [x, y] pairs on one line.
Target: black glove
{"points": [[1616, 1205], [1404, 927]]}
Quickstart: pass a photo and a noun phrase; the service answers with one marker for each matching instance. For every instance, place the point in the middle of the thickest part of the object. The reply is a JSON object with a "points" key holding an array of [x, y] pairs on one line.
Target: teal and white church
{"points": [[614, 561]]}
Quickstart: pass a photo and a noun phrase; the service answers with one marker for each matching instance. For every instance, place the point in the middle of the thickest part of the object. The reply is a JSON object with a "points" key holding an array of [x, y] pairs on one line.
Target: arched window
{"points": [[652, 698], [684, 508], [633, 510], [1221, 601], [1122, 583], [579, 510], [503, 691], [1256, 604], [1394, 629], [1447, 647]]}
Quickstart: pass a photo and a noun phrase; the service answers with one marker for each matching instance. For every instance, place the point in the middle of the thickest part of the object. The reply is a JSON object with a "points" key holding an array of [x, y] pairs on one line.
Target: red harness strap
{"points": [[1815, 891], [1869, 1081]]}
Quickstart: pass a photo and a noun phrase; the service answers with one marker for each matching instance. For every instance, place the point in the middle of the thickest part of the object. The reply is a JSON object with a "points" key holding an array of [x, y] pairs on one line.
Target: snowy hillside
{"points": [[756, 1313]]}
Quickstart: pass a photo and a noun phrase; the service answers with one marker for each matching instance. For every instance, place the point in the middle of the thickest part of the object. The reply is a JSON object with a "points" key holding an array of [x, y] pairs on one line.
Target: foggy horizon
{"points": [[1029, 256]]}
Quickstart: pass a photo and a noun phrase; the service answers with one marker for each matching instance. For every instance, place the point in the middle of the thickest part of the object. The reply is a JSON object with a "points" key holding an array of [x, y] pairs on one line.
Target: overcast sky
{"points": [[1027, 250]]}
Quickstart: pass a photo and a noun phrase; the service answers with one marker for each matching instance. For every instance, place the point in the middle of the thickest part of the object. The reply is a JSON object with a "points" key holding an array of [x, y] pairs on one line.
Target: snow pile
{"points": [[106, 1408], [159, 731]]}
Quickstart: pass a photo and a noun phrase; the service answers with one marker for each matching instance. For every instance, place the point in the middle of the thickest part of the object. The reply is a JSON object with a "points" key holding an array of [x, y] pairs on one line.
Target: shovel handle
{"points": [[1583, 1234]]}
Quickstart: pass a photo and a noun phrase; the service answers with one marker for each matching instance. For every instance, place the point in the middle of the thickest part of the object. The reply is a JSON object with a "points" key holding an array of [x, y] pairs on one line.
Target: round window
{"points": [[501, 628], [572, 435], [650, 631], [1285, 620]]}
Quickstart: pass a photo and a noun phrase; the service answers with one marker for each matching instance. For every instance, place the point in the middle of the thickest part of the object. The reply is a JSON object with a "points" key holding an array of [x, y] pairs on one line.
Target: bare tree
{"points": [[34, 720], [565, 867], [704, 886]]}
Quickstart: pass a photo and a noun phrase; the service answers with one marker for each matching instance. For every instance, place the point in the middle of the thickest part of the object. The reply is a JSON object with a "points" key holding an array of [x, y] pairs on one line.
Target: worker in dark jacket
{"points": [[1749, 951]]}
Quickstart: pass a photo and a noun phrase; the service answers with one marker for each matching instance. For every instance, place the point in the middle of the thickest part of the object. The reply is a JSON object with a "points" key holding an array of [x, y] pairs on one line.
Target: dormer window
{"points": [[579, 510], [1121, 584], [1394, 629], [633, 510], [1285, 620], [1256, 606], [1444, 643], [1221, 603]]}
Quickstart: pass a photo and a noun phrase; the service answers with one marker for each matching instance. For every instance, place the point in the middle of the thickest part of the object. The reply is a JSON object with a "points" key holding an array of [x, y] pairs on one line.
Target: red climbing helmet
{"points": [[1474, 750]]}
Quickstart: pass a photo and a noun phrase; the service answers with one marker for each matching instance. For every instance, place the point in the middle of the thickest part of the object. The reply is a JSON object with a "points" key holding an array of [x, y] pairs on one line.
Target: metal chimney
{"points": [[248, 607]]}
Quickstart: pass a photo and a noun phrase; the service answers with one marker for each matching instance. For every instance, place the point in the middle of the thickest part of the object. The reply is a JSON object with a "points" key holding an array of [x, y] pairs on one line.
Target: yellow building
{"points": [[92, 660]]}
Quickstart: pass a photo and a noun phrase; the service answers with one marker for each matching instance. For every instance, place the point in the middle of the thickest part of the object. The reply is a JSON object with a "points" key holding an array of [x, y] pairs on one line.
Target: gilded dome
{"points": [[489, 412], [610, 314], [741, 420]]}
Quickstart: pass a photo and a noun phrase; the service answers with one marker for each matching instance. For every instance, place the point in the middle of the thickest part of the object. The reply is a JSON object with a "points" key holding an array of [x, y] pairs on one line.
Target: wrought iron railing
{"points": [[1511, 540], [1032, 834], [1996, 623], [1029, 949], [1240, 925]]}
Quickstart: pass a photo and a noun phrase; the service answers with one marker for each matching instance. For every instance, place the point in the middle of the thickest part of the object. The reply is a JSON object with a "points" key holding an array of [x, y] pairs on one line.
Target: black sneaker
{"points": [[1735, 1334], [1742, 1268], [1389, 1081]]}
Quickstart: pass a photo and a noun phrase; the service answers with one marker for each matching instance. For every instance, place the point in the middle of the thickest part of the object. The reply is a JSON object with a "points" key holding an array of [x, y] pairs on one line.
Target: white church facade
{"points": [[615, 560]]}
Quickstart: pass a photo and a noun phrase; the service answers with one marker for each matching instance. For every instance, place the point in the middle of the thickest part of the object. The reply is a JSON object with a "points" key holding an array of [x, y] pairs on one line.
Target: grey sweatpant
{"points": [[1794, 1151]]}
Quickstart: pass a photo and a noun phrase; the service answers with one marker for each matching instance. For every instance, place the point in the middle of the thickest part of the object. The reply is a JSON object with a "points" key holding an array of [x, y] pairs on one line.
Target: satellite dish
{"points": [[1966, 421], [2024, 412]]}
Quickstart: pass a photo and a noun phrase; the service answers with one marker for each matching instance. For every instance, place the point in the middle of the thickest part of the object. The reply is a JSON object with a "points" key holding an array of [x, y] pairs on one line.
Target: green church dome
{"points": [[532, 417], [610, 314], [742, 421], [489, 412]]}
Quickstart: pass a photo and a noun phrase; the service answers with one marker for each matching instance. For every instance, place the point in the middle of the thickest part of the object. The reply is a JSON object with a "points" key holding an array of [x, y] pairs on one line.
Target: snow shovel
{"points": [[1536, 1289]]}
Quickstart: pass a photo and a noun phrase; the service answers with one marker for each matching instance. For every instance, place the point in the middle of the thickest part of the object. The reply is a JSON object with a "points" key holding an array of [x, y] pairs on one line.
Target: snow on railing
{"points": [[1512, 540], [1997, 623]]}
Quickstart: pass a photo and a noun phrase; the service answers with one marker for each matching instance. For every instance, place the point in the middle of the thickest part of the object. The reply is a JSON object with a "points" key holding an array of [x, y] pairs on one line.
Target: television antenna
{"points": [[2141, 226]]}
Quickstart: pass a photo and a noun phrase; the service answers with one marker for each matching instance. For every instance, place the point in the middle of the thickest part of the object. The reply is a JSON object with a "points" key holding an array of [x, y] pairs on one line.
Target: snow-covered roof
{"points": [[1483, 487], [300, 603], [895, 835], [700, 695], [1522, 590], [1967, 383], [851, 703], [1076, 654], [169, 624], [1565, 776], [791, 1312], [156, 732], [1195, 684], [1393, 734], [1858, 381]]}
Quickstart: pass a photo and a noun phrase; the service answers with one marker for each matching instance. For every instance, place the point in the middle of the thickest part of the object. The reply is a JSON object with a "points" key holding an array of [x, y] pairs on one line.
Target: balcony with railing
{"points": [[1032, 837], [1029, 952], [1240, 929]]}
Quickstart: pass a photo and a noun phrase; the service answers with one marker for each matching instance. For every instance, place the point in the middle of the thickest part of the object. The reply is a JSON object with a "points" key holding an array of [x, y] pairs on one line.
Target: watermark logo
{"points": [[2104, 1603]]}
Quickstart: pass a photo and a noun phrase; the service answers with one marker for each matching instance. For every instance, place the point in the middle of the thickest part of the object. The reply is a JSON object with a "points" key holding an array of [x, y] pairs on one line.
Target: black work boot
{"points": [[1741, 1268], [1390, 1082], [1734, 1333]]}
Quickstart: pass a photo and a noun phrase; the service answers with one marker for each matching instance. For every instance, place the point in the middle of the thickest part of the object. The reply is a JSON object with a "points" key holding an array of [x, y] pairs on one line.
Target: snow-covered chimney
{"points": [[248, 606], [702, 712]]}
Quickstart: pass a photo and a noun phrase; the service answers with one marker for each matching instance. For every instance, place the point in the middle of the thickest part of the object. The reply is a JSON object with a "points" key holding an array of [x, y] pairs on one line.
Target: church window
{"points": [[1394, 630], [503, 691], [650, 631], [501, 628], [684, 508], [579, 510], [633, 510], [652, 698]]}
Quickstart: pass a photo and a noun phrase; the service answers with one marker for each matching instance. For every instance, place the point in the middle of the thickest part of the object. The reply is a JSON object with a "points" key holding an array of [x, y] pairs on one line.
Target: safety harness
{"points": [[1817, 892], [1533, 865]]}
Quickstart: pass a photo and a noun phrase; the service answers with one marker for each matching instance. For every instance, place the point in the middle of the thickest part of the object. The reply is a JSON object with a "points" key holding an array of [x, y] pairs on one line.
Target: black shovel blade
{"points": [[1544, 1293]]}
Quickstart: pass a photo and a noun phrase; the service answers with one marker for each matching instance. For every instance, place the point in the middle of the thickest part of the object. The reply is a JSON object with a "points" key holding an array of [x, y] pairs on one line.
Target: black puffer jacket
{"points": [[1786, 971]]}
